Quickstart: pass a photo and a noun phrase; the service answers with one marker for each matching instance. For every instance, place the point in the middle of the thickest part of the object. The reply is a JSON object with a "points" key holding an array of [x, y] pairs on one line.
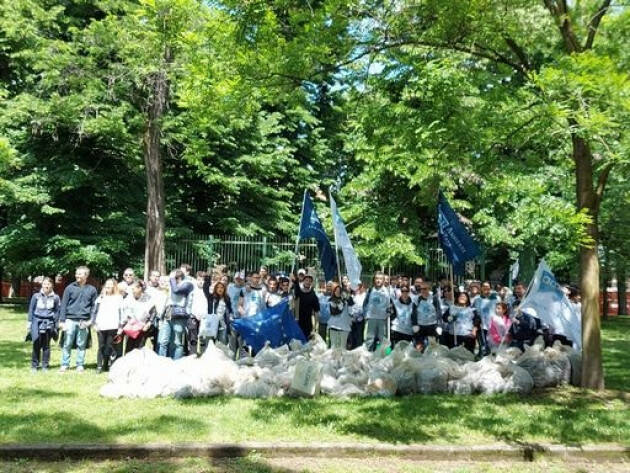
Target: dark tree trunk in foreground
{"points": [[588, 198], [154, 255]]}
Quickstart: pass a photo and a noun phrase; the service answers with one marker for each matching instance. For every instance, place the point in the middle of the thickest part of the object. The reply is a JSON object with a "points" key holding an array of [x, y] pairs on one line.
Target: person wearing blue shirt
{"points": [[173, 324], [43, 314], [75, 317]]}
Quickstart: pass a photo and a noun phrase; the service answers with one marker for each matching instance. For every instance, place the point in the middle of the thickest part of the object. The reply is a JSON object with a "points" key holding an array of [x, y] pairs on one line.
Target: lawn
{"points": [[256, 464], [51, 407]]}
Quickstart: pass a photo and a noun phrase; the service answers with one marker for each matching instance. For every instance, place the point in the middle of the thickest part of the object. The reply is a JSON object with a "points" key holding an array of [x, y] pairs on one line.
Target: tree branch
{"points": [[594, 24], [601, 182], [560, 12], [519, 51]]}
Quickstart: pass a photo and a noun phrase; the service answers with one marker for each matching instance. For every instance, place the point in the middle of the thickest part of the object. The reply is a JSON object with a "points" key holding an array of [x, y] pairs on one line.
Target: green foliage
{"points": [[238, 152], [478, 99], [387, 101]]}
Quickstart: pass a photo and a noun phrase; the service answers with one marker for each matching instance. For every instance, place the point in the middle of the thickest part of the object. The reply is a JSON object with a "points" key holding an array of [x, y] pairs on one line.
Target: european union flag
{"points": [[275, 325], [458, 245], [311, 227]]}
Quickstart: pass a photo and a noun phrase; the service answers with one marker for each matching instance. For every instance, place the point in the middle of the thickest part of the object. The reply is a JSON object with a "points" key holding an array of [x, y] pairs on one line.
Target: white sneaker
{"points": [[63, 369], [80, 369]]}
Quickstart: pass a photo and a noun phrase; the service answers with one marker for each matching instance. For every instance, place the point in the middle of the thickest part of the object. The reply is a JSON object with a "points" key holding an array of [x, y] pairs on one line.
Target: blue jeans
{"points": [[72, 331], [171, 338]]}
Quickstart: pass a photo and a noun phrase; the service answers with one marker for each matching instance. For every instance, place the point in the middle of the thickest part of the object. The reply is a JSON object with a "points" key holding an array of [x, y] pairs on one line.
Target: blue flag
{"points": [[458, 245], [275, 325], [311, 227]]}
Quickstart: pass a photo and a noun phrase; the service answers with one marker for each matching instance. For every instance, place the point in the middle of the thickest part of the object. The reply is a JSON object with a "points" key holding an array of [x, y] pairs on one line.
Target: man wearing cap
{"points": [[306, 304]]}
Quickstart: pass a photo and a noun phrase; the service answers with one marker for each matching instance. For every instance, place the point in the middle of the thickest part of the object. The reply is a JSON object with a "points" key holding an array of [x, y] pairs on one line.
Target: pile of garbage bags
{"points": [[313, 368]]}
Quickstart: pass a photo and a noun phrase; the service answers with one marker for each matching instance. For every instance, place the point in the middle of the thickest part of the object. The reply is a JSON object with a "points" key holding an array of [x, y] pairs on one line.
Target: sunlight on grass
{"points": [[50, 407]]}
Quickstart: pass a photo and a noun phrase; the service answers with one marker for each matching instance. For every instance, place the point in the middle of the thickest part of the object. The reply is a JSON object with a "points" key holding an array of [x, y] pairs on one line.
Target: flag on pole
{"points": [[458, 245], [311, 227], [551, 304], [353, 265], [514, 270], [275, 325]]}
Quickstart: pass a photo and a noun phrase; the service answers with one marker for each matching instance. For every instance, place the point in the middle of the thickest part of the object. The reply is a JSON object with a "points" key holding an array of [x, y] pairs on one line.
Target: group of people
{"points": [[180, 313]]}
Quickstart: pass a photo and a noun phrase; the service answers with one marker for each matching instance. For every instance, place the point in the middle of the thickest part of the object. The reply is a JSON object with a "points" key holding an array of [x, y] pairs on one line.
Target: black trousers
{"points": [[356, 334], [133, 343], [399, 337], [107, 351], [192, 331], [468, 342], [41, 346]]}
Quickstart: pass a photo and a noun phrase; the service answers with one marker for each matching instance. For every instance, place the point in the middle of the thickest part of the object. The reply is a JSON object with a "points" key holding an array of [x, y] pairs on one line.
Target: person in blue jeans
{"points": [[75, 317], [172, 329]]}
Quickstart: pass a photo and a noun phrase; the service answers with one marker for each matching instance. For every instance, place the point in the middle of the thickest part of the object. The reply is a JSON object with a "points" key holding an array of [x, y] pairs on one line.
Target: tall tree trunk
{"points": [[154, 255], [587, 198], [621, 287], [605, 273]]}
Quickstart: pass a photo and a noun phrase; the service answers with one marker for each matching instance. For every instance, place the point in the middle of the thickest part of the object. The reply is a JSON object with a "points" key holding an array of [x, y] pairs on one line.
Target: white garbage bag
{"points": [[307, 378]]}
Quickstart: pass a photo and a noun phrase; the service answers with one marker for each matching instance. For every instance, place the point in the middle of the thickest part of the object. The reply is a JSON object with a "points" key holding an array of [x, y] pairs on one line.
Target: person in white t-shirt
{"points": [[107, 319]]}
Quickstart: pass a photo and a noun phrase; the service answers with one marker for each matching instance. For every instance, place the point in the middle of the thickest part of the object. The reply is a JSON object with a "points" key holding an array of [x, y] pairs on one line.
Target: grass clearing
{"points": [[254, 464], [50, 408]]}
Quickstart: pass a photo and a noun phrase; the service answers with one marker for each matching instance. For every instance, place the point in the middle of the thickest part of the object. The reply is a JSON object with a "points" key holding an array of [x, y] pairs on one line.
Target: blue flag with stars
{"points": [[458, 245], [311, 227], [275, 325]]}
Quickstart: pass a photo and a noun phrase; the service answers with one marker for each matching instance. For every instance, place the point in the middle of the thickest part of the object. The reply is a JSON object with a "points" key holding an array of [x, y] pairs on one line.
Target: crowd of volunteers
{"points": [[180, 313]]}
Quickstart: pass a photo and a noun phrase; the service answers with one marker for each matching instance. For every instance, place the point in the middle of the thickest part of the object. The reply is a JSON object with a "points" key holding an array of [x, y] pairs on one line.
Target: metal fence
{"points": [[240, 253], [204, 252]]}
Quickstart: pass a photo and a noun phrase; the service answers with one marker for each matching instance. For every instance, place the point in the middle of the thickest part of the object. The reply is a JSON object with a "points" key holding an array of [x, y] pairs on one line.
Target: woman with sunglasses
{"points": [[463, 323], [404, 314]]}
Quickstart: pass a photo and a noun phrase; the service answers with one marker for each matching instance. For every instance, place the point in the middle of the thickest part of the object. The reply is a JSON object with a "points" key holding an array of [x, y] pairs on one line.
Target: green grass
{"points": [[50, 407], [256, 464]]}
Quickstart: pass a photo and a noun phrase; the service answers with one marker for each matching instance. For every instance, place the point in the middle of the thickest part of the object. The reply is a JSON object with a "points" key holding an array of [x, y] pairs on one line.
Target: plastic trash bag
{"points": [[307, 378], [461, 354], [432, 377], [405, 375], [547, 368]]}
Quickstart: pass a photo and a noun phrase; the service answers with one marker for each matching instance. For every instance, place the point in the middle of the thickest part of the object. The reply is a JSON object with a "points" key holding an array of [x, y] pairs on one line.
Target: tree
{"points": [[577, 86]]}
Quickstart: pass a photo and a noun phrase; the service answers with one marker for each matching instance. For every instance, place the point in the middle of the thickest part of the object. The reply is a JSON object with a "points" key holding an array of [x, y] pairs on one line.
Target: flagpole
{"points": [[389, 276], [297, 238], [332, 214], [453, 301]]}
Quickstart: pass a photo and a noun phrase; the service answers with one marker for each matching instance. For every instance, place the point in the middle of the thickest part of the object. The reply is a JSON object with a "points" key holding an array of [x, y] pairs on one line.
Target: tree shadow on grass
{"points": [[65, 427], [574, 418], [33, 394], [15, 354], [617, 364], [176, 465]]}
